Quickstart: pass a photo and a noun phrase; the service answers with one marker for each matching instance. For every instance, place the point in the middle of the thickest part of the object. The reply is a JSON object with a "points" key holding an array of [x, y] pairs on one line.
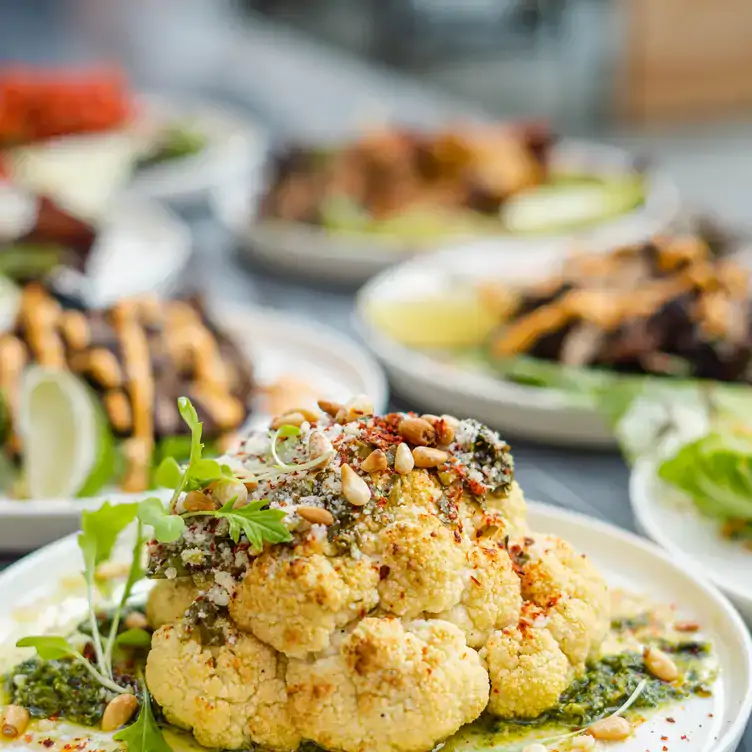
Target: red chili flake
{"points": [[47, 743], [664, 738], [671, 720], [684, 738], [664, 748], [475, 580]]}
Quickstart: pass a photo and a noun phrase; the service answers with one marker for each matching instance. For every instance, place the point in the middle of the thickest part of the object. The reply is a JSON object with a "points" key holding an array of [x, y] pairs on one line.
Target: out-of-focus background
{"points": [[672, 78]]}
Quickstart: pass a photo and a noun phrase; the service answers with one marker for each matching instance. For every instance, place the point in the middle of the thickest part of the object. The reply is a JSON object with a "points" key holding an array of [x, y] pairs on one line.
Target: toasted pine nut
{"points": [[583, 744], [358, 407], [417, 431], [428, 457], [450, 420], [75, 329], [15, 720], [310, 415], [444, 432], [403, 460], [318, 445], [288, 419], [354, 488], [330, 408], [250, 482], [224, 491], [613, 729], [316, 515], [135, 620], [660, 665], [430, 418], [375, 462], [195, 501], [687, 626], [118, 712]]}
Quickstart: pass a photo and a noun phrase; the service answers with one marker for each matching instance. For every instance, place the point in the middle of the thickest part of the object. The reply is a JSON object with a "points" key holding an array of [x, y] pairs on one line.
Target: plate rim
{"points": [[732, 732], [331, 338], [640, 499]]}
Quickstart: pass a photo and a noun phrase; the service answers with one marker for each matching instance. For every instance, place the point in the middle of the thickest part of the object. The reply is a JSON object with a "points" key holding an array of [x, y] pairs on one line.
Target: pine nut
{"points": [[310, 415], [250, 482], [224, 491], [613, 729], [195, 501], [288, 419], [118, 712], [430, 418], [316, 515], [444, 433], [583, 744], [660, 665], [330, 408], [135, 620], [427, 457], [354, 488], [376, 462], [417, 431], [450, 420], [318, 445], [15, 720], [403, 460], [358, 407]]}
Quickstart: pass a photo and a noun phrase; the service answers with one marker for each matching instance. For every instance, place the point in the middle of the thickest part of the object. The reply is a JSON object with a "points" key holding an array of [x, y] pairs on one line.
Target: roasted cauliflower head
{"points": [[410, 597]]}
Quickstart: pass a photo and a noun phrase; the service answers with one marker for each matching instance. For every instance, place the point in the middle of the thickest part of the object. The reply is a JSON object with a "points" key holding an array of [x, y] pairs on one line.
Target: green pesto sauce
{"points": [[56, 689]]}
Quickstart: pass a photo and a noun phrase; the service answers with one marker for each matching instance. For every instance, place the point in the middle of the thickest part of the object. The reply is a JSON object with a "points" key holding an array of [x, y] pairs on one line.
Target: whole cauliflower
{"points": [[412, 595]]}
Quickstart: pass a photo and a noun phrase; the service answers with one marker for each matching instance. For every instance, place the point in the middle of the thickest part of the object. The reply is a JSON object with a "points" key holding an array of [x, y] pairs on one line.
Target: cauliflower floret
{"points": [[423, 566], [528, 671], [512, 507], [573, 594], [295, 603], [229, 696], [388, 686], [491, 599], [169, 600]]}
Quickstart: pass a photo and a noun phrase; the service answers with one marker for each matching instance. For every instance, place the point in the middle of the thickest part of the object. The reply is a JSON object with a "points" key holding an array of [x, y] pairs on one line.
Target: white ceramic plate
{"points": [[141, 247], [278, 346], [525, 412], [353, 258], [714, 724], [235, 150], [690, 538]]}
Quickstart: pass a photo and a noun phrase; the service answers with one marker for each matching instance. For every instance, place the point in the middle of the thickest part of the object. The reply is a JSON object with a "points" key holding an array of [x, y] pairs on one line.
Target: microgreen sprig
{"points": [[144, 735]]}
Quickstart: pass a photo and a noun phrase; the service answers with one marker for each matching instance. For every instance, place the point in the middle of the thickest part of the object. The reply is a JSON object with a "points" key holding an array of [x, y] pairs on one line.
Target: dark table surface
{"points": [[297, 87]]}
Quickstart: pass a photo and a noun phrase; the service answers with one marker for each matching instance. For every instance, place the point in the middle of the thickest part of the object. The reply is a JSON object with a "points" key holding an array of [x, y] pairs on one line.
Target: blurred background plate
{"points": [[524, 412], [141, 247], [282, 348], [690, 538], [351, 258], [234, 151]]}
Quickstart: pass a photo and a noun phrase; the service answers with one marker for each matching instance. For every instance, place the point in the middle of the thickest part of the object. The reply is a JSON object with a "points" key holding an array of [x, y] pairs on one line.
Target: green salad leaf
{"points": [[257, 522], [167, 527], [715, 471], [144, 735], [134, 638], [48, 647]]}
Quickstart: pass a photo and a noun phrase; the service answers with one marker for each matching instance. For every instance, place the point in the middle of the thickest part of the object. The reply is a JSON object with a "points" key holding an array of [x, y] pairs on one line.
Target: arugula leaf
{"points": [[48, 647], [100, 530], [134, 638], [169, 473], [205, 470], [144, 735], [167, 527], [257, 522]]}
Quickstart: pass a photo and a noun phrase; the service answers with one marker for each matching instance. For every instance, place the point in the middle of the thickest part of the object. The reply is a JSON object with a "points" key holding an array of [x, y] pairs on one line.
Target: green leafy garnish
{"points": [[168, 473], [48, 647], [257, 522], [716, 473], [167, 527], [144, 735]]}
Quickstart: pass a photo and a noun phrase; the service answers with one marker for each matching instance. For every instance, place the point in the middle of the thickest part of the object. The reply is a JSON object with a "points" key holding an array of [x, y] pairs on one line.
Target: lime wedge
{"points": [[448, 321], [555, 207], [67, 447]]}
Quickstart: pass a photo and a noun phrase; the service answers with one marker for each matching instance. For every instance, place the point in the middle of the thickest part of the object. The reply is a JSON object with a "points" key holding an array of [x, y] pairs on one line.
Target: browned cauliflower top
{"points": [[411, 581]]}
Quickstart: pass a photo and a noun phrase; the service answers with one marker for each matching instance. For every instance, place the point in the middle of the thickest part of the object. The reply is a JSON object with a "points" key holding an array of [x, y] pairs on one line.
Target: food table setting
{"points": [[439, 257]]}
